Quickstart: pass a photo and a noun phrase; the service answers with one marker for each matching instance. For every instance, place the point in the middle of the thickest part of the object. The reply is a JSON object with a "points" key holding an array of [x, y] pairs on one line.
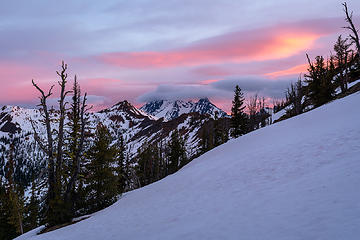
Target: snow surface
{"points": [[278, 114], [297, 179], [353, 83]]}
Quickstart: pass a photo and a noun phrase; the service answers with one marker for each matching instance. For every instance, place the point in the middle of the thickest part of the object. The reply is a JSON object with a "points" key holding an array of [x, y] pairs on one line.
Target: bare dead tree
{"points": [[48, 149], [55, 168], [252, 105], [60, 143], [354, 36]]}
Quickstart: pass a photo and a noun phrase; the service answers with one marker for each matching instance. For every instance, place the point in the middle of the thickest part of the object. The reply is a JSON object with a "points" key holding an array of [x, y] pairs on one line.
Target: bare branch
{"points": [[37, 138], [41, 91], [351, 27]]}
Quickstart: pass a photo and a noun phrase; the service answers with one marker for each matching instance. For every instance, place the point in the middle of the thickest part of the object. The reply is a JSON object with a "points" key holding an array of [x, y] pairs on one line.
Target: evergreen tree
{"points": [[213, 133], [294, 96], [218, 131], [151, 165], [101, 186], [238, 117], [342, 57], [176, 152], [32, 209], [15, 194], [121, 166], [75, 143], [206, 140], [319, 80], [7, 229], [147, 164]]}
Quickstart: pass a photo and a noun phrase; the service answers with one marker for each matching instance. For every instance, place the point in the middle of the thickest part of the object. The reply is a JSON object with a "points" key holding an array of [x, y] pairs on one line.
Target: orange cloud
{"points": [[271, 43], [287, 45], [275, 48], [290, 71]]}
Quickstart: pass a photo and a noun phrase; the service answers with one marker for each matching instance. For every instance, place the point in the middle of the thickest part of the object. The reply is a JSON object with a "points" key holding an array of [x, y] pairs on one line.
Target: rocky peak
{"points": [[172, 109]]}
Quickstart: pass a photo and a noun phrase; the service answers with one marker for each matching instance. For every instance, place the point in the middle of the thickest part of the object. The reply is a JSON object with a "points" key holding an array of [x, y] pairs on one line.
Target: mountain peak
{"points": [[123, 103], [170, 109], [127, 108], [205, 99]]}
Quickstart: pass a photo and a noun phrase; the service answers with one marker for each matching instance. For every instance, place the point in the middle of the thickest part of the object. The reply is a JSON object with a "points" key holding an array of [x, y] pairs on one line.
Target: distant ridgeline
{"points": [[169, 110]]}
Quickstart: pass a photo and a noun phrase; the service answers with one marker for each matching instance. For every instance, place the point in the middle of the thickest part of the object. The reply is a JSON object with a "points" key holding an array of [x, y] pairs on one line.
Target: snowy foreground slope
{"points": [[297, 179]]}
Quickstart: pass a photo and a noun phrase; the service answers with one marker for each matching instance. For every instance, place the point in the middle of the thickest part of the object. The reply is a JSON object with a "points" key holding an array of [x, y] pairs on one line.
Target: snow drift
{"points": [[297, 179]]}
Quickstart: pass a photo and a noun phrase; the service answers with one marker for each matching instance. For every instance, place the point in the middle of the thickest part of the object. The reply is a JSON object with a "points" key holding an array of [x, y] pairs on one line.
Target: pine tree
{"points": [[146, 159], [32, 209], [101, 175], [239, 121], [206, 139], [294, 96], [151, 165], [121, 168], [15, 194], [76, 125], [319, 79], [7, 229], [218, 131], [342, 57], [176, 152]]}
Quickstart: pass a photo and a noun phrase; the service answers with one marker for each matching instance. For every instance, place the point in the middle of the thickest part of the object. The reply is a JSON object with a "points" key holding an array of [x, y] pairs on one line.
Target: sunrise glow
{"points": [[114, 62]]}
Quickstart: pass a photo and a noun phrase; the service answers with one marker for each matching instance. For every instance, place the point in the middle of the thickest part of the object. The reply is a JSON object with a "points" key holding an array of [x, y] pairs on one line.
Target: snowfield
{"points": [[297, 179]]}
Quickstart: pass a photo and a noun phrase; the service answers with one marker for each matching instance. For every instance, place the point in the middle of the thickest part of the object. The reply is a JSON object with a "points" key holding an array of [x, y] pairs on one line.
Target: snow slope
{"points": [[297, 179]]}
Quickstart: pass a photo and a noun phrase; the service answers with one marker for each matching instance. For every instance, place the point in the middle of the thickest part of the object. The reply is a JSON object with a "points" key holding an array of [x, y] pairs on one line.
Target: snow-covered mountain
{"points": [[169, 109], [297, 179], [123, 119]]}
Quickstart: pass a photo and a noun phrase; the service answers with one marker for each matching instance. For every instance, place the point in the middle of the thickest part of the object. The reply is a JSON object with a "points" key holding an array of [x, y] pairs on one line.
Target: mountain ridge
{"points": [[122, 119], [170, 109]]}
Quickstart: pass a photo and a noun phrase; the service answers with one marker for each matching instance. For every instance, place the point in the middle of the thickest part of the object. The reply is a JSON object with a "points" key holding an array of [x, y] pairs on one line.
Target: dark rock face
{"points": [[153, 106], [7, 125], [204, 106]]}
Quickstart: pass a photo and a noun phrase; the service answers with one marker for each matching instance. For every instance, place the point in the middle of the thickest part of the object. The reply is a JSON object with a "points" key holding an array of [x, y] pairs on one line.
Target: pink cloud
{"points": [[208, 81], [16, 81], [302, 68], [261, 44]]}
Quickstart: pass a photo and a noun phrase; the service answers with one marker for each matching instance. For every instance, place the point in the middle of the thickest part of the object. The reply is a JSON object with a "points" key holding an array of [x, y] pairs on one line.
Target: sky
{"points": [[143, 50]]}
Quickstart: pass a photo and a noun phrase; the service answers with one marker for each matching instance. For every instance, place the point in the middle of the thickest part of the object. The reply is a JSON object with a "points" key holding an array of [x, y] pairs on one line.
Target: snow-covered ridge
{"points": [[123, 119], [19, 116], [169, 109], [297, 179]]}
